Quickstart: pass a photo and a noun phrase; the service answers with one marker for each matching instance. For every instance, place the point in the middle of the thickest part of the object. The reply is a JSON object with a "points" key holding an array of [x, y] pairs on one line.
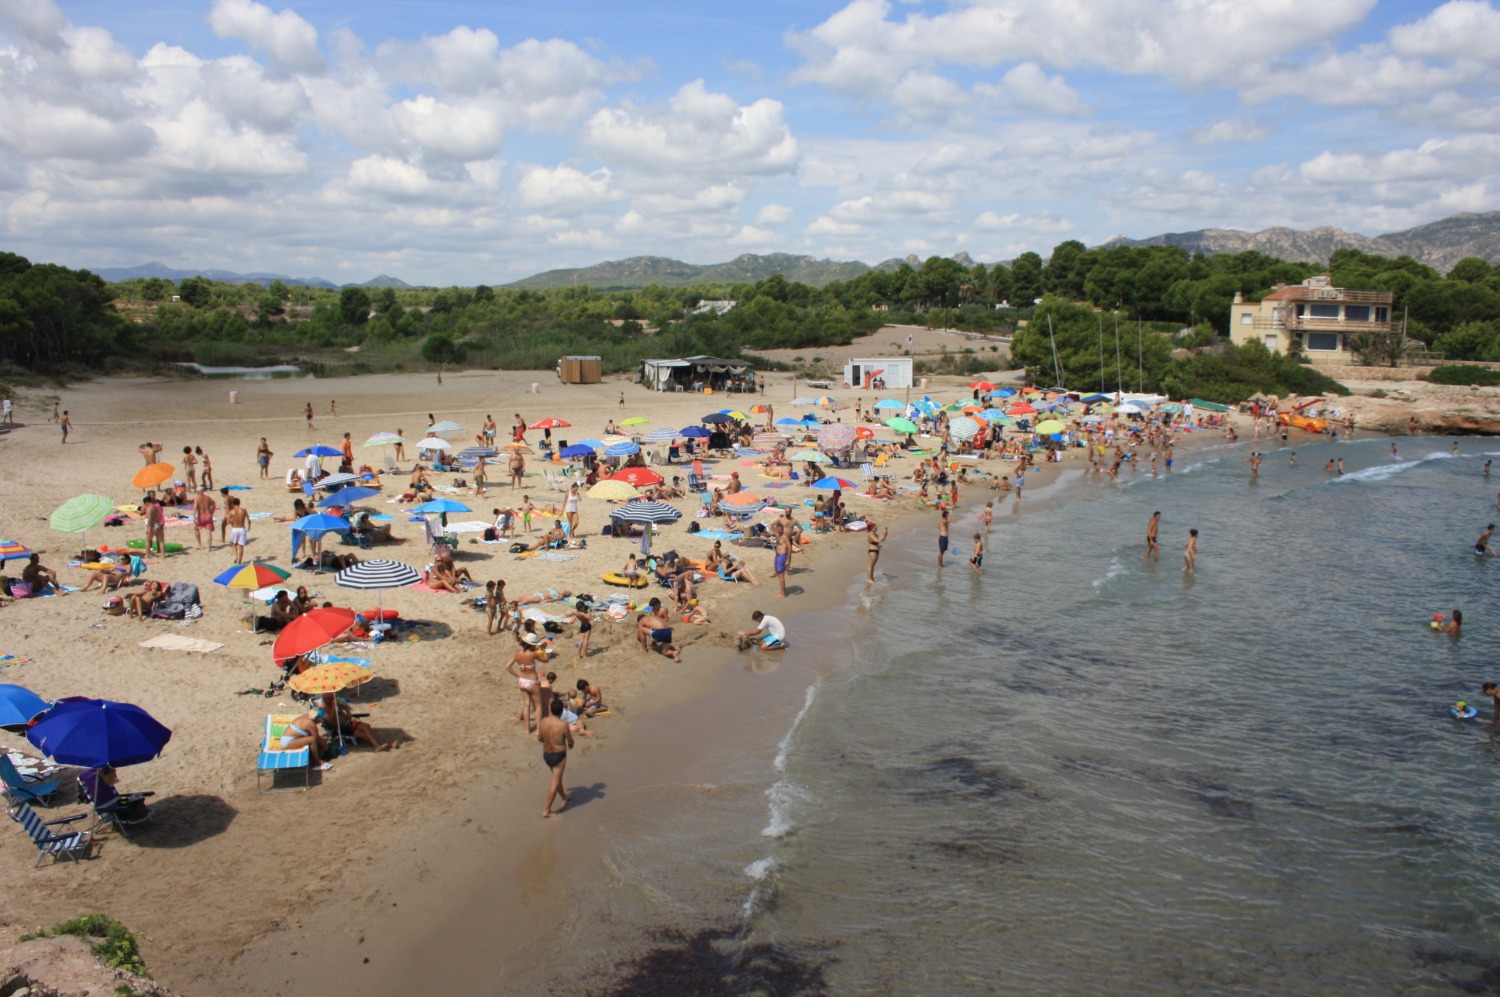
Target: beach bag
{"points": [[693, 527], [20, 590], [114, 607], [517, 548]]}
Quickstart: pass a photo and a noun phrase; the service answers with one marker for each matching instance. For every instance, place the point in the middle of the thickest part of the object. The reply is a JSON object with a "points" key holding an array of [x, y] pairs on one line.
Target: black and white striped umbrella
{"points": [[646, 512], [377, 574], [337, 480]]}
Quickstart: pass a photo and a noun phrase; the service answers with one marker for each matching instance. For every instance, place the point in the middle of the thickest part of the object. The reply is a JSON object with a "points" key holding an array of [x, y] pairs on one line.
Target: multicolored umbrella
{"points": [[827, 401], [10, 550], [152, 475], [839, 436], [335, 676], [254, 575], [636, 477], [758, 410], [312, 630], [81, 512], [98, 732], [446, 426], [384, 439], [832, 483], [816, 456]]}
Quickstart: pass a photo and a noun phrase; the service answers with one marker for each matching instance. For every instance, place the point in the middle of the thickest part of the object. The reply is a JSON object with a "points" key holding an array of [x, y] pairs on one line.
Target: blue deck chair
{"points": [[19, 791], [53, 843]]}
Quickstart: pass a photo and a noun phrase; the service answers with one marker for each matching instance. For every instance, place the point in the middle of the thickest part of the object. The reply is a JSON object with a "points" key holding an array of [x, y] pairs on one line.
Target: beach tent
{"points": [[687, 372]]}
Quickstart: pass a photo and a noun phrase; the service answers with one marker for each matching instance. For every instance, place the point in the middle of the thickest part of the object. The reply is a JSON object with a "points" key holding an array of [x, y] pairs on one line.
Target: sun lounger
{"points": [[50, 842], [18, 790], [274, 759]]}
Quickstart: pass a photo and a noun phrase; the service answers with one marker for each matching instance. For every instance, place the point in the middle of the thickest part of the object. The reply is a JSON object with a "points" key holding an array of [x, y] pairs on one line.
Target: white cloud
{"points": [[1039, 224], [751, 237], [1229, 130], [1026, 88], [1459, 29], [564, 188], [460, 131], [774, 214], [288, 39], [928, 97]]}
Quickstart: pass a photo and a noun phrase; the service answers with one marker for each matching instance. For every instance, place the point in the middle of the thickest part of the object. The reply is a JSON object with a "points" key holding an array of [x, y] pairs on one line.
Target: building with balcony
{"points": [[1313, 317]]}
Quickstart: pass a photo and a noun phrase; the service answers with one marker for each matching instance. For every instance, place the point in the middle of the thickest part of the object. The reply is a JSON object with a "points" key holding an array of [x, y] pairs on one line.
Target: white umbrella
{"points": [[433, 443]]}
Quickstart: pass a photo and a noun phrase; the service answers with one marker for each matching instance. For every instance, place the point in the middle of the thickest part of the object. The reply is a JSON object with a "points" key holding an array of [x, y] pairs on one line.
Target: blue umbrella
{"points": [[440, 505], [320, 450], [577, 450], [1095, 397], [1002, 392], [890, 403], [788, 421], [315, 526], [591, 443], [348, 496], [19, 705], [621, 449], [716, 418], [696, 433], [96, 732]]}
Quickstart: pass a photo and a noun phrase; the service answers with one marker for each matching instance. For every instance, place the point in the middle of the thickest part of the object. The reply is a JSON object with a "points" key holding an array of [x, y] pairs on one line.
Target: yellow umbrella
{"points": [[333, 677], [612, 490]]}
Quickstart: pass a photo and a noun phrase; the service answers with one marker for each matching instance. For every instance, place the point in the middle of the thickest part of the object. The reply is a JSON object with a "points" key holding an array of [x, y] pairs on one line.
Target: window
{"points": [[1356, 313], [1382, 313], [1323, 311], [1247, 319], [1324, 341]]}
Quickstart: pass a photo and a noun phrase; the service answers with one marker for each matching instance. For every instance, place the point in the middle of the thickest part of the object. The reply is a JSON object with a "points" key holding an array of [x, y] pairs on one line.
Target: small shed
{"points": [[698, 373], [581, 370], [891, 372]]}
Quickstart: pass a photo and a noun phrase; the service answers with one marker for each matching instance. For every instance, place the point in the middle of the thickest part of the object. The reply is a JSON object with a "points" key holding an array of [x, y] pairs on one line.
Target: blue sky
{"points": [[456, 142]]}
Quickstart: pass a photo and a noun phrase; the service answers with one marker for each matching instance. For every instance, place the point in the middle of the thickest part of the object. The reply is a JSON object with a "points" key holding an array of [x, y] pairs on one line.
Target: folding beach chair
{"points": [[53, 843], [18, 790], [274, 759], [110, 808]]}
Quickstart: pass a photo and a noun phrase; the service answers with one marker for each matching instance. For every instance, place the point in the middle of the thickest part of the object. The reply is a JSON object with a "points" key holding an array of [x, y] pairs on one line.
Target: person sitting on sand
{"points": [[682, 582], [446, 577], [552, 539], [715, 557], [348, 725], [696, 613], [40, 577], [140, 603]]}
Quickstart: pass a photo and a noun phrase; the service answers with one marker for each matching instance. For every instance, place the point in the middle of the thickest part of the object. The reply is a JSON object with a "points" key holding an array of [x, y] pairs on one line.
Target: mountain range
{"points": [[1439, 244]]}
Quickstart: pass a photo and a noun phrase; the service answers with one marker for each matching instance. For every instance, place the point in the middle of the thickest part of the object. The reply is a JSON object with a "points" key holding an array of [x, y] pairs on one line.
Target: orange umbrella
{"points": [[334, 677], [744, 499], [152, 475]]}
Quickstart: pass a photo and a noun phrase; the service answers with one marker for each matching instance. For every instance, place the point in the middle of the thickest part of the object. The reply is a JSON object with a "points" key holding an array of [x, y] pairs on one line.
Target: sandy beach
{"points": [[379, 832]]}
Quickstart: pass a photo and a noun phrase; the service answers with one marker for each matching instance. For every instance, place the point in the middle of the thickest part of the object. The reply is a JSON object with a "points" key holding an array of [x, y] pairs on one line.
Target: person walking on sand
{"points": [[307, 413], [263, 457], [56, 416], [556, 739], [333, 406], [238, 519], [942, 535], [67, 425], [203, 516], [875, 539], [1190, 554], [9, 417], [1153, 549]]}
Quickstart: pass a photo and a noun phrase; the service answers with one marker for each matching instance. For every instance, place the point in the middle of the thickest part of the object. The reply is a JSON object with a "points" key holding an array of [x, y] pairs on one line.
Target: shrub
{"points": [[1463, 374], [109, 940]]}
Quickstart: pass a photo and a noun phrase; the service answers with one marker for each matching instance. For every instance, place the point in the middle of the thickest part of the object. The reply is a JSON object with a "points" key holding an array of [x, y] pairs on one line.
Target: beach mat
{"points": [[718, 535], [177, 642]]}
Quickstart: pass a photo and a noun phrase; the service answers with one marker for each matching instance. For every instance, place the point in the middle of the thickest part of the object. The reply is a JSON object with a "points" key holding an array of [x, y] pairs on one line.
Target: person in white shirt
{"points": [[769, 632]]}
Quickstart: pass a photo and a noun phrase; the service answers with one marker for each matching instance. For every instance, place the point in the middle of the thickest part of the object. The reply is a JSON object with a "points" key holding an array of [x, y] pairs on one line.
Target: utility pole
{"points": [[1140, 373], [1056, 368], [1119, 388], [1100, 317]]}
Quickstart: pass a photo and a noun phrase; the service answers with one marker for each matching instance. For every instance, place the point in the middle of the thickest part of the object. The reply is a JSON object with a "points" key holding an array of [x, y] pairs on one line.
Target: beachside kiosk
{"points": [[892, 372]]}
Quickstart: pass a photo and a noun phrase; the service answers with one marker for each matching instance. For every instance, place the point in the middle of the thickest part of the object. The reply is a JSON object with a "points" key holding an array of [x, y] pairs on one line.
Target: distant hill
{"points": [[145, 270], [638, 271], [1439, 244]]}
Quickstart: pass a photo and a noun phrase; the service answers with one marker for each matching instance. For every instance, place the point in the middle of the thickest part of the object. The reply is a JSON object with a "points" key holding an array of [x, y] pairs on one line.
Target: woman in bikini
{"points": [[875, 540], [303, 732], [585, 631], [522, 665]]}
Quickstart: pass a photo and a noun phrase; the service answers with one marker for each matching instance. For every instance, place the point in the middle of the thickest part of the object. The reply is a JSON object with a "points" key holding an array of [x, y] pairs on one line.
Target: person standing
{"points": [[239, 528], [400, 445], [556, 739], [9, 417], [978, 559], [1153, 549], [517, 469], [263, 457], [518, 431], [156, 527], [783, 562], [190, 468], [479, 476], [203, 516], [943, 517], [67, 425], [570, 509], [206, 475], [875, 540], [333, 406], [307, 413], [56, 416], [1190, 554], [346, 447]]}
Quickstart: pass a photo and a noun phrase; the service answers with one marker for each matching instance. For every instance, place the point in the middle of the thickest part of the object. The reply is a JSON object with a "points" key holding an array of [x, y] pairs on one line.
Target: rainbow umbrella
{"points": [[832, 483], [10, 551], [254, 575], [826, 401]]}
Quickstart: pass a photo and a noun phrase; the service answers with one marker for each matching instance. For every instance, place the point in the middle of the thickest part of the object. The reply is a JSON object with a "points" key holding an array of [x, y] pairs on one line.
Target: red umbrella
{"points": [[1021, 408], [863, 432], [550, 424], [637, 477], [311, 631], [982, 386]]}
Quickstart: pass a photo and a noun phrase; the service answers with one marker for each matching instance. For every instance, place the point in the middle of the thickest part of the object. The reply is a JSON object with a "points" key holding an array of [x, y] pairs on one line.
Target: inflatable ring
{"points": [[141, 545], [1468, 714], [380, 615], [617, 578]]}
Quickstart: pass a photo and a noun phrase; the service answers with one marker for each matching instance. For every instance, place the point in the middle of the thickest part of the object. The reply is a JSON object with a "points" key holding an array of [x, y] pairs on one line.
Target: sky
{"points": [[451, 142]]}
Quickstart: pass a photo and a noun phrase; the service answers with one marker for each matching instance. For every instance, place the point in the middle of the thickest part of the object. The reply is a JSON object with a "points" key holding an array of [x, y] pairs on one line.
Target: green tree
{"points": [[1026, 280], [440, 348], [1066, 270], [196, 291], [354, 305]]}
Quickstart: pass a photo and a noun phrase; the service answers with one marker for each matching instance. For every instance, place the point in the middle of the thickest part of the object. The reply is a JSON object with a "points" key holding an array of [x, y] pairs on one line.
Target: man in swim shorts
{"points": [[1153, 549], [942, 535], [1482, 545], [239, 529], [556, 739], [654, 632], [203, 517], [783, 559]]}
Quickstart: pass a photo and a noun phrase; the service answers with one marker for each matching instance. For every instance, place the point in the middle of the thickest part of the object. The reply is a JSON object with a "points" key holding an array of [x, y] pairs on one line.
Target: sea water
{"points": [[1084, 772]]}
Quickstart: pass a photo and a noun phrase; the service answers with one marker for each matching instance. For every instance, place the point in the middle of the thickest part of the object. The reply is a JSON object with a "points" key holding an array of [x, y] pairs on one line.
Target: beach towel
{"points": [[468, 526], [177, 642], [382, 517], [260, 515], [6, 660], [542, 616], [47, 593], [719, 535], [239, 488]]}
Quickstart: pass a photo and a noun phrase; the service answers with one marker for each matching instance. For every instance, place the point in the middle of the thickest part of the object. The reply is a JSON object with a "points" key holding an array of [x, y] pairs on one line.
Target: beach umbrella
{"points": [[254, 575], [1050, 427], [696, 433], [1092, 420], [816, 456], [890, 403], [1131, 408], [635, 420], [152, 475], [802, 401], [337, 480], [990, 415], [550, 423], [474, 453], [832, 483], [594, 444], [610, 438], [1021, 408], [446, 426], [335, 676], [345, 497], [902, 425], [863, 432], [577, 450], [440, 506], [735, 414], [377, 575], [310, 631], [637, 477], [433, 443], [1002, 392], [758, 410], [19, 706], [742, 500], [81, 512], [97, 732], [316, 526], [384, 439], [715, 418], [787, 421], [1095, 397], [647, 512], [963, 428], [319, 451], [982, 386], [664, 435], [10, 550], [624, 449], [769, 439], [828, 401], [516, 448], [611, 490], [836, 437]]}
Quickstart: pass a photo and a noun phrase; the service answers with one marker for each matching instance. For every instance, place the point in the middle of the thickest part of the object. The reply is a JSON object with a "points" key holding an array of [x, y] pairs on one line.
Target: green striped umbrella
{"points": [[81, 512]]}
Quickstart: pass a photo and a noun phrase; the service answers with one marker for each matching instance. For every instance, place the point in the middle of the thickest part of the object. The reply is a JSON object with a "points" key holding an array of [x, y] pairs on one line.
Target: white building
{"points": [[896, 372]]}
